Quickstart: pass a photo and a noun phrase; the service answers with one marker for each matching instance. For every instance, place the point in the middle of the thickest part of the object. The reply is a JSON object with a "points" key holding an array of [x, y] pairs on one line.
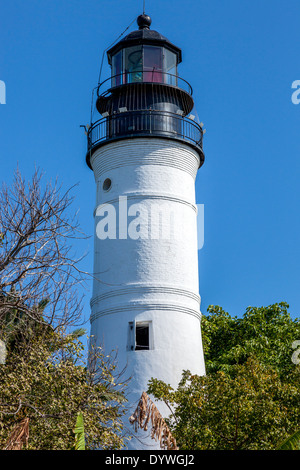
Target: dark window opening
{"points": [[107, 184], [141, 337]]}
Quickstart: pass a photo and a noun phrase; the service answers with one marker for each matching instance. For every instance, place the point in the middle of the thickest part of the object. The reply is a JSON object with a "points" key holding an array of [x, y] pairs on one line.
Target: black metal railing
{"points": [[143, 76], [144, 123]]}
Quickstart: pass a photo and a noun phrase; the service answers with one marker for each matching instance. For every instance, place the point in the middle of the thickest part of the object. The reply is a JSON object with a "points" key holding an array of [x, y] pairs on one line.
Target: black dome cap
{"points": [[144, 21], [144, 35]]}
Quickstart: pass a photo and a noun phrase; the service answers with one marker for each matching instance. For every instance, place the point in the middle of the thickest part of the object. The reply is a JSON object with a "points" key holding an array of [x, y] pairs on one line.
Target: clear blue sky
{"points": [[241, 58]]}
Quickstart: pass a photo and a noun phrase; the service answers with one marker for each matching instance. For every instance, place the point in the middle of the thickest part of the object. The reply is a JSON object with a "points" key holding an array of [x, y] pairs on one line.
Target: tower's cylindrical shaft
{"points": [[146, 303]]}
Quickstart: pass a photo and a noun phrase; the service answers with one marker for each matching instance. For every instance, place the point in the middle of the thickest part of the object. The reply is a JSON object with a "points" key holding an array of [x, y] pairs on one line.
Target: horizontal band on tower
{"points": [[139, 196], [146, 306], [145, 290], [143, 151]]}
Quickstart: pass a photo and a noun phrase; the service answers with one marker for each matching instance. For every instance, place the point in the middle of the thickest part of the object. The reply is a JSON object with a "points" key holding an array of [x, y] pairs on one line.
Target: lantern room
{"points": [[144, 56], [144, 75], [144, 95]]}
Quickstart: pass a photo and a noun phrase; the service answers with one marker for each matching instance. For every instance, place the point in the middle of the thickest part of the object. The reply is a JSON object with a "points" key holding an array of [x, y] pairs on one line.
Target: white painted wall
{"points": [[149, 280]]}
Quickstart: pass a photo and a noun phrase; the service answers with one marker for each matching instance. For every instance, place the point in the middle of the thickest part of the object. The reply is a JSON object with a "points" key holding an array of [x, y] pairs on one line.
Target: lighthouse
{"points": [[145, 150]]}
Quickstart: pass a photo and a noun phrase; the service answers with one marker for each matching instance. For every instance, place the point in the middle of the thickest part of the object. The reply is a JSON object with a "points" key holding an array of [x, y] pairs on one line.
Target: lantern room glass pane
{"points": [[117, 69], [133, 64], [144, 63], [170, 67], [153, 64]]}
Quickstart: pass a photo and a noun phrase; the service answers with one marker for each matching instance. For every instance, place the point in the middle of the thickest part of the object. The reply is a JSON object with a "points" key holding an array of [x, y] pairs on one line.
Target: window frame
{"points": [[124, 77], [132, 336]]}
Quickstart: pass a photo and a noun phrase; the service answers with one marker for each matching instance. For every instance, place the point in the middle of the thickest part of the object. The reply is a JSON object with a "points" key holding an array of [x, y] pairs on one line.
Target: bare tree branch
{"points": [[36, 259]]}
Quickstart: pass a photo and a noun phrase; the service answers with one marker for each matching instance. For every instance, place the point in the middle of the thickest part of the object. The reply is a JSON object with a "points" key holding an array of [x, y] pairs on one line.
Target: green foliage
{"points": [[48, 382], [17, 328], [79, 433], [249, 398], [291, 443], [266, 333]]}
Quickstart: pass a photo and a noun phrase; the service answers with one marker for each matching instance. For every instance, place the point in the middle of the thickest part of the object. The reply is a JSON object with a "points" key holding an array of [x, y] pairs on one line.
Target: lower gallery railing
{"points": [[145, 122]]}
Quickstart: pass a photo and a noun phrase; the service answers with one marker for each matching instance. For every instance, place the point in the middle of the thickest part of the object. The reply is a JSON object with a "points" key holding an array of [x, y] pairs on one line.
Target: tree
{"points": [[44, 378], [268, 333], [249, 398], [147, 415], [50, 384], [36, 258]]}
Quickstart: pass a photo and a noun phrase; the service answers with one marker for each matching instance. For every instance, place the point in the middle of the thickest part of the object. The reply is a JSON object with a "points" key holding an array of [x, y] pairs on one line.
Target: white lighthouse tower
{"points": [[145, 151]]}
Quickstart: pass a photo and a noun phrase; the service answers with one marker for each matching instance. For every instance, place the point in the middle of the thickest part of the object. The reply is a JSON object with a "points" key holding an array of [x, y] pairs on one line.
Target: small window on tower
{"points": [[141, 336], [107, 184]]}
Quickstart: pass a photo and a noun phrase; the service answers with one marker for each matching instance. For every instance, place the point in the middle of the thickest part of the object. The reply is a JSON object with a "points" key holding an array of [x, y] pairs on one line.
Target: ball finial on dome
{"points": [[144, 21]]}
